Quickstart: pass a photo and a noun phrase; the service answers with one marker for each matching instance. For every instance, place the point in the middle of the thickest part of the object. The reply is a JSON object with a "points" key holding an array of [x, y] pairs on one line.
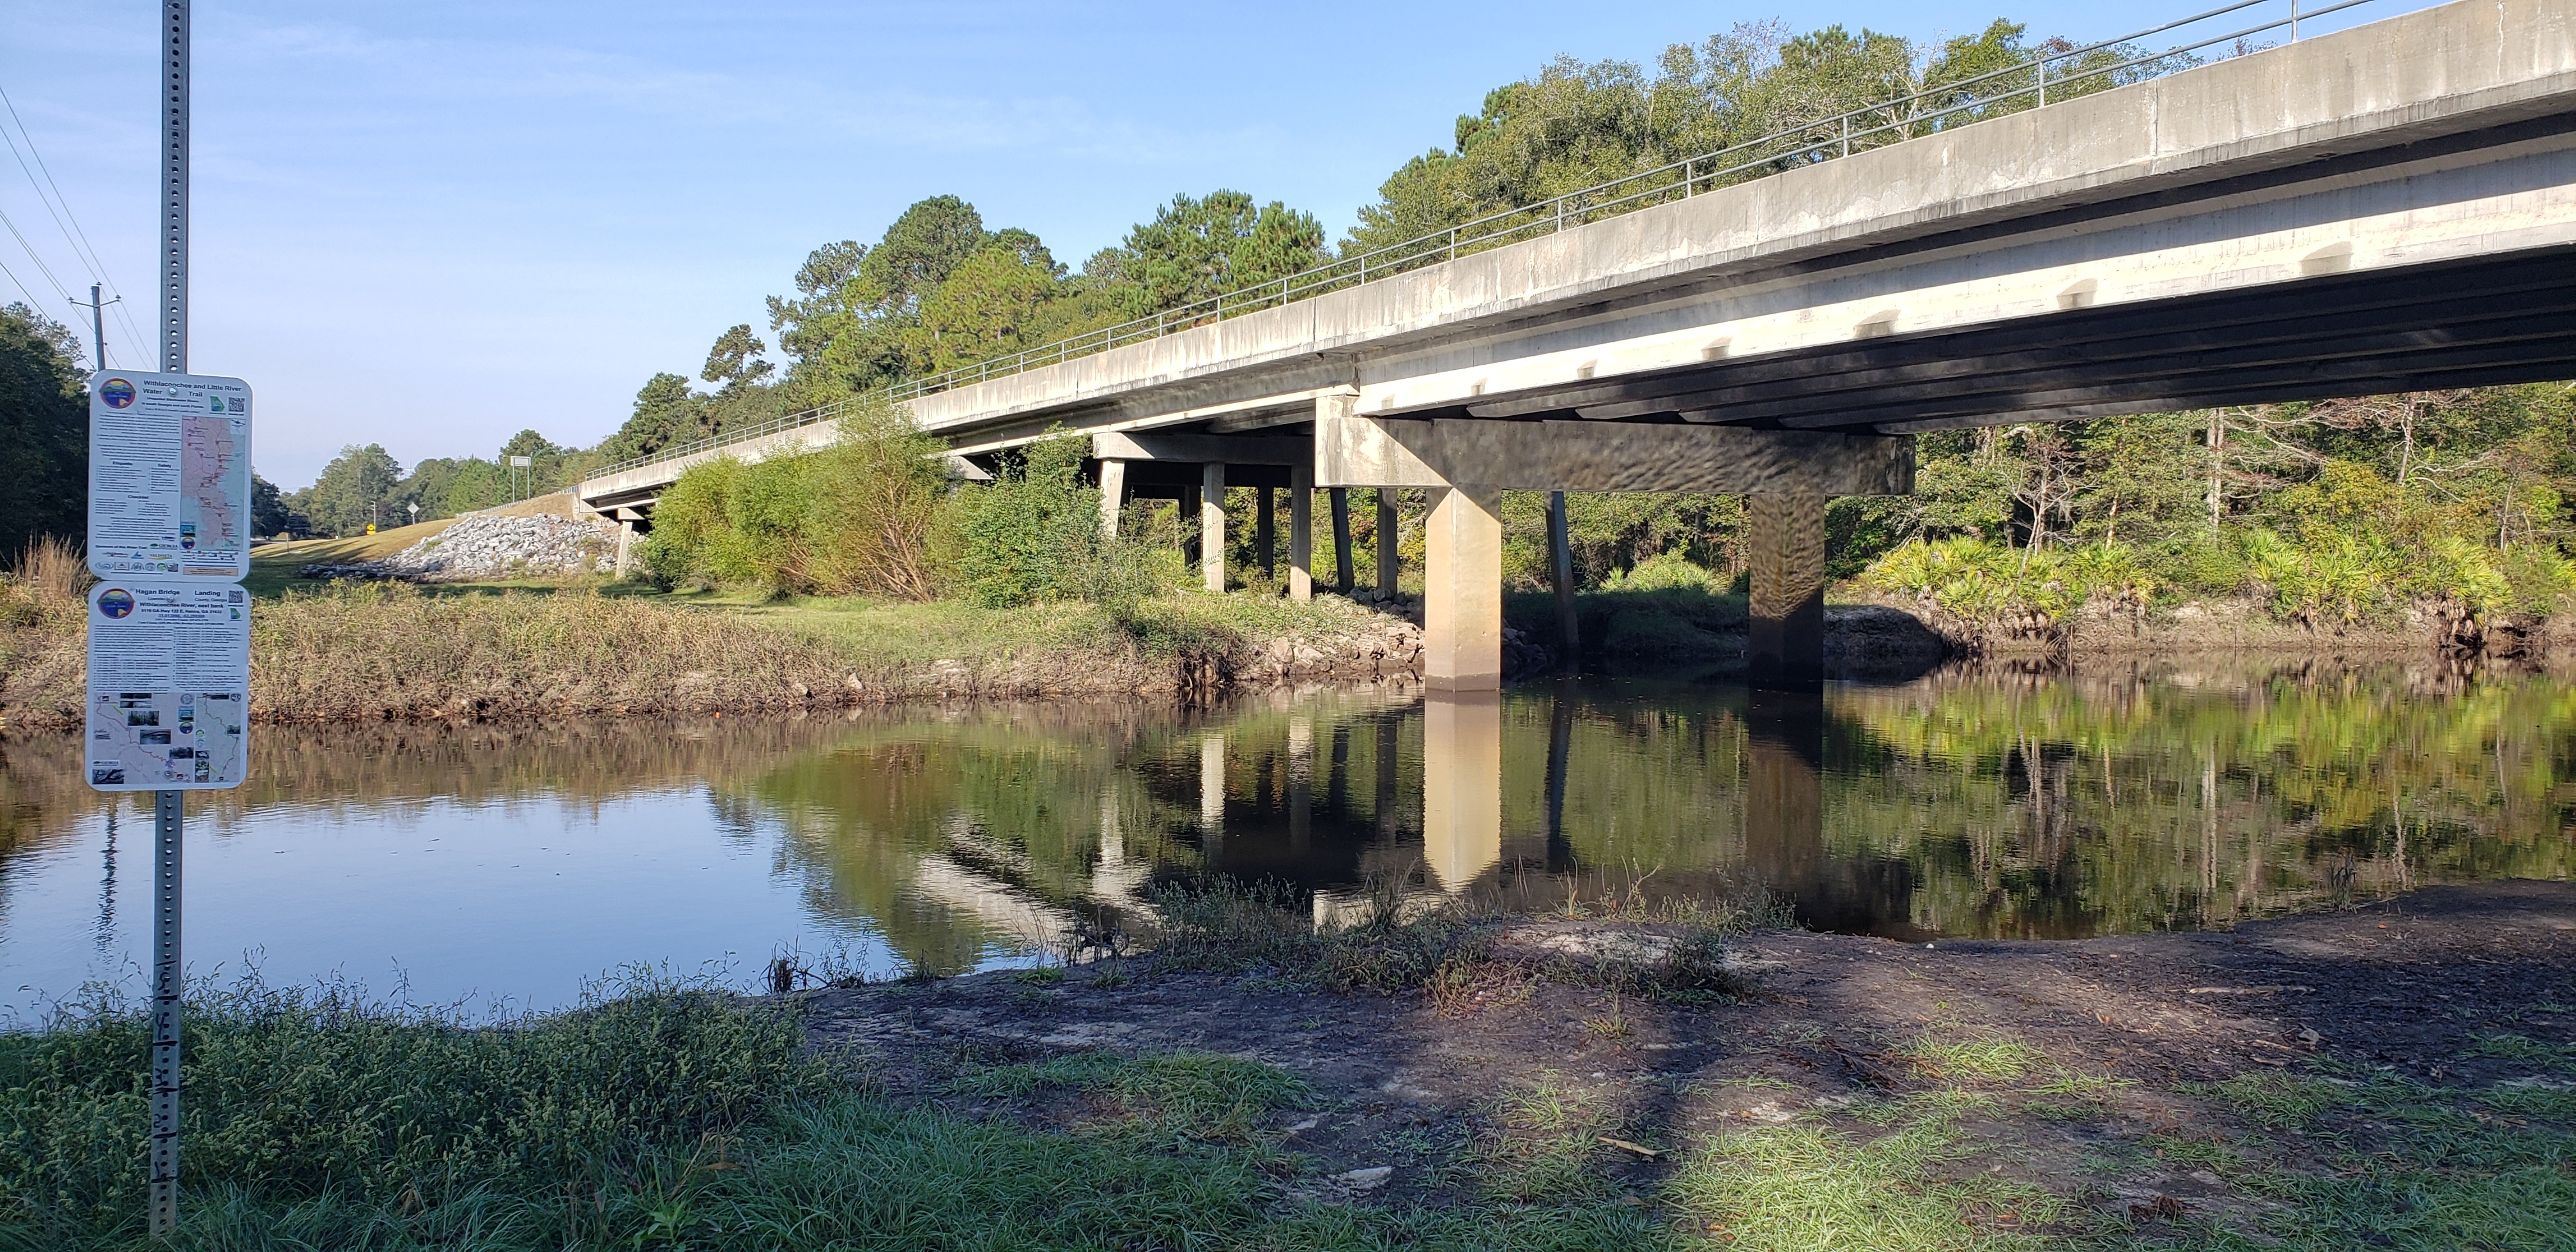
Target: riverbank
{"points": [[334, 653], [395, 652], [2397, 1075]]}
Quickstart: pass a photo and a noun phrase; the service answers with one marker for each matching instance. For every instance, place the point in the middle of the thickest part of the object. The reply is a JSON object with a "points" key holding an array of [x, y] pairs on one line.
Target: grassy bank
{"points": [[1589, 1097], [379, 652]]}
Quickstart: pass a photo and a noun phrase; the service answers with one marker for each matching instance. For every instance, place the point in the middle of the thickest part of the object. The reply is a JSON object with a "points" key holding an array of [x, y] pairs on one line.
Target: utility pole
{"points": [[97, 325]]}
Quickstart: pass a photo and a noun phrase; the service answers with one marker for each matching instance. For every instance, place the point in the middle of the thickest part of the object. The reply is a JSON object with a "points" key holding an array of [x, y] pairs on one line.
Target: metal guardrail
{"points": [[1873, 126]]}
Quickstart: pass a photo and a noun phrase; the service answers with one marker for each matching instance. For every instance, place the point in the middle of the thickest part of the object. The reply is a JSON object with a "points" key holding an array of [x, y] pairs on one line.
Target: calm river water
{"points": [[508, 866]]}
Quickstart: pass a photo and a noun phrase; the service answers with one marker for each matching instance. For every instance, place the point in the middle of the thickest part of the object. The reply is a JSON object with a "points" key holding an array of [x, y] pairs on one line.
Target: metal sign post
{"points": [[169, 807]]}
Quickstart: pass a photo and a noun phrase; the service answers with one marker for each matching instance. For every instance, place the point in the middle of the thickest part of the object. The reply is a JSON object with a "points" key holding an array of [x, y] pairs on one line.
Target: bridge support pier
{"points": [[1784, 643], [1113, 493], [1265, 535], [1467, 464], [1339, 501], [1389, 555], [1212, 526], [1301, 532], [1462, 590]]}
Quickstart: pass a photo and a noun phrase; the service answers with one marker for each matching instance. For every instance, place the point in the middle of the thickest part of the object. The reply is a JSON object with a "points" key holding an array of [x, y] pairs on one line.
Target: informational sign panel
{"points": [[169, 686], [169, 476], [169, 623]]}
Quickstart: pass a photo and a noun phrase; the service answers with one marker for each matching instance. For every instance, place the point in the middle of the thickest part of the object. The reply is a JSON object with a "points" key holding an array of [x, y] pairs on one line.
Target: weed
{"points": [[1039, 975], [2555, 1056], [2275, 1099], [1804, 1186], [1194, 1095], [1977, 1058], [1612, 1025]]}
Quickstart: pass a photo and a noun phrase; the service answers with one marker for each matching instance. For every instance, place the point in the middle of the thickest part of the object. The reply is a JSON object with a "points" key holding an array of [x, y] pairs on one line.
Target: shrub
{"points": [[1033, 534], [865, 514]]}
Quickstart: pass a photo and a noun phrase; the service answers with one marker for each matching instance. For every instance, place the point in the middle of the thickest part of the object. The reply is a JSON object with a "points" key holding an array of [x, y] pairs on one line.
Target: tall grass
{"points": [[331, 1102]]}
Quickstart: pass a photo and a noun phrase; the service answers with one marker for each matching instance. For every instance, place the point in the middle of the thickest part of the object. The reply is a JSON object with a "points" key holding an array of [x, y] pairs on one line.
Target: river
{"points": [[508, 867]]}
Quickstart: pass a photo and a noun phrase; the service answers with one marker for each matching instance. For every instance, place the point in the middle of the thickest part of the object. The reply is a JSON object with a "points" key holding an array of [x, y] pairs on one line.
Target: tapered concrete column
{"points": [[1785, 637], [1301, 532], [1560, 550], [1462, 590], [1113, 493], [1265, 541], [1462, 785], [1340, 502], [1212, 525], [1389, 522], [625, 546]]}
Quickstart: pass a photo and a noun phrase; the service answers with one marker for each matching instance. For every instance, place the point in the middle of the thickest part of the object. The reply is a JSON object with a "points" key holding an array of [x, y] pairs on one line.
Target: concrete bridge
{"points": [[2387, 208]]}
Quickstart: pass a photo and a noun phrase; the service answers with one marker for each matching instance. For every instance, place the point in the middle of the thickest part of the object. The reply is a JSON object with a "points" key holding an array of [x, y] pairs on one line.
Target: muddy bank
{"points": [[2102, 630], [2130, 1081]]}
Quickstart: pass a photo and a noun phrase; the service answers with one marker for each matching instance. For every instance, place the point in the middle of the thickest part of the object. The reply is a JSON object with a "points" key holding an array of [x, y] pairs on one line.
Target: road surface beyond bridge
{"points": [[2388, 208]]}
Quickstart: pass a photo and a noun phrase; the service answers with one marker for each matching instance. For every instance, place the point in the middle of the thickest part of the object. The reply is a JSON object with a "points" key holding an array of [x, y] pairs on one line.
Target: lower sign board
{"points": [[169, 686]]}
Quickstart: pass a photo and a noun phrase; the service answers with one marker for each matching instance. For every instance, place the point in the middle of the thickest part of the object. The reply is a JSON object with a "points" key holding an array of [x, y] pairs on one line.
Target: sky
{"points": [[432, 226]]}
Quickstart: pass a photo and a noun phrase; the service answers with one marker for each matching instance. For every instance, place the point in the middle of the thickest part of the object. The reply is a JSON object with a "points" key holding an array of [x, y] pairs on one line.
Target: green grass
{"points": [[1807, 1186], [671, 1117]]}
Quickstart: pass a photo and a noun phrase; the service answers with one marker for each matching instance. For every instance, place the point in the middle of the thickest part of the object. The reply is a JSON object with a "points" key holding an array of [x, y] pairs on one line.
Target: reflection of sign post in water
{"points": [[168, 706]]}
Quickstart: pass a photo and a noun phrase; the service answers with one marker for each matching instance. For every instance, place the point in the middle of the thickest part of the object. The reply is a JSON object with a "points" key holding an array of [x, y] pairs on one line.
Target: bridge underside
{"points": [[2473, 323]]}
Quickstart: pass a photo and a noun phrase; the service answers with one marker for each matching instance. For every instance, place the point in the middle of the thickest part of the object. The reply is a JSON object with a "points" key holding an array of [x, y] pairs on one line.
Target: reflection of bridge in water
{"points": [[1964, 804], [1353, 806]]}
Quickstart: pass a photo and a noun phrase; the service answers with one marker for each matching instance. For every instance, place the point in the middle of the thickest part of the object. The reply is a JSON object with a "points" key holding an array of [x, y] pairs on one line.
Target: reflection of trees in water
{"points": [[1986, 804], [2187, 798]]}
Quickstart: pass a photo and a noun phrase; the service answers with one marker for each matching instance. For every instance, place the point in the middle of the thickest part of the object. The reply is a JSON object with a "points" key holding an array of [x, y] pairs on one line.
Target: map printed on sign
{"points": [[169, 686], [169, 476]]}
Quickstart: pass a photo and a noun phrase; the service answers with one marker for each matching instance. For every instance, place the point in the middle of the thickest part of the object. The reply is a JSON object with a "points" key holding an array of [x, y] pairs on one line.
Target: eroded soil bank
{"points": [[2402, 1072]]}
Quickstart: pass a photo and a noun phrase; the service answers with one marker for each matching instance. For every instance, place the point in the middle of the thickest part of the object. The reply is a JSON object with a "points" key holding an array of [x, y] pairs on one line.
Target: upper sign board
{"points": [[169, 476]]}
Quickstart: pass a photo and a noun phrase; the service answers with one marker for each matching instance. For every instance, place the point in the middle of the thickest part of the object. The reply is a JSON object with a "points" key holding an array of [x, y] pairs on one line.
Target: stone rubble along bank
{"points": [[543, 546]]}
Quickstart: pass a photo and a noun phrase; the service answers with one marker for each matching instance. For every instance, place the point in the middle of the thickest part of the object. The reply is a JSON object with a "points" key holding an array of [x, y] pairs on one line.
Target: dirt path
{"points": [[2078, 1076]]}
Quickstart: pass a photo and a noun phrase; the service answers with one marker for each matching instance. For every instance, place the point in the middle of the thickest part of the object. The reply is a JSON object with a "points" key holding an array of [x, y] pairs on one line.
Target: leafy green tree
{"points": [[1579, 124], [667, 411], [995, 302], [44, 431], [354, 490], [269, 514], [734, 360], [1197, 248]]}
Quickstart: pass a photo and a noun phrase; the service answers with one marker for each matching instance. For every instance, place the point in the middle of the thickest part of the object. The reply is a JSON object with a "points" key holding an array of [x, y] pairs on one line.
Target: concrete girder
{"points": [[2321, 314], [1359, 451], [2174, 268]]}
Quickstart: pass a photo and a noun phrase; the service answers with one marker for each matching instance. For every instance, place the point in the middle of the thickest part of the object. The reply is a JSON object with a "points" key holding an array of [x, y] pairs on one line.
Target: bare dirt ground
{"points": [[2173, 1082]]}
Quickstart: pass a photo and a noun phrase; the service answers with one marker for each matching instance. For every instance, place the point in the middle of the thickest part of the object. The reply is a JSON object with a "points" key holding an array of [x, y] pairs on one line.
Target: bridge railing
{"points": [[2063, 73]]}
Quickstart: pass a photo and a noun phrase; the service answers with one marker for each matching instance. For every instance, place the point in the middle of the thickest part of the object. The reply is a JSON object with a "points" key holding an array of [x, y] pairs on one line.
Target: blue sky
{"points": [[429, 226]]}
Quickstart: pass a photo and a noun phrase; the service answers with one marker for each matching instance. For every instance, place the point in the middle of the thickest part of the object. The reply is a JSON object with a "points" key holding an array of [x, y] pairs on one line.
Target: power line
{"points": [[96, 264], [41, 267], [22, 289]]}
